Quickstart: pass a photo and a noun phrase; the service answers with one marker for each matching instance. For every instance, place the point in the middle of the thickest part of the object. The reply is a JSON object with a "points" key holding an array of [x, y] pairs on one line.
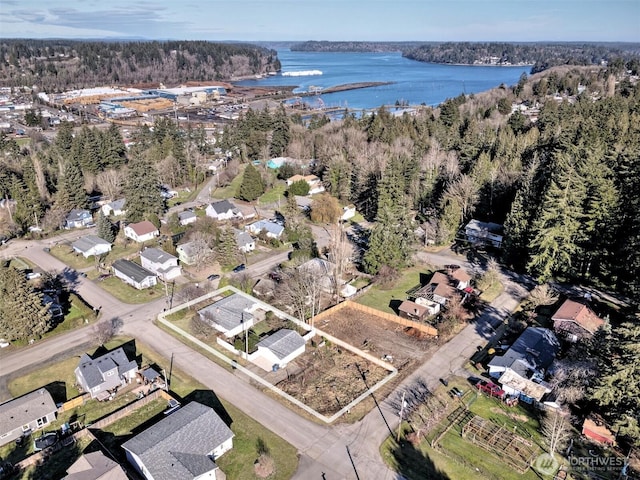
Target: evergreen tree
{"points": [[252, 185], [300, 188], [71, 193], [105, 228], [142, 191], [390, 242], [227, 252], [22, 315], [280, 135]]}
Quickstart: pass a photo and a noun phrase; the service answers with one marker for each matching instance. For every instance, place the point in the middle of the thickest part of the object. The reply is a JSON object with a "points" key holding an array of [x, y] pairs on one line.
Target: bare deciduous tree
{"points": [[301, 290], [542, 295], [107, 329], [200, 250], [111, 182], [555, 429]]}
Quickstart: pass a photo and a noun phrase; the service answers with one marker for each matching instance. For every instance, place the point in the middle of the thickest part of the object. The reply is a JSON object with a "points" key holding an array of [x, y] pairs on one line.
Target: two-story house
{"points": [[141, 231], [78, 218], [103, 375], [161, 263], [223, 210]]}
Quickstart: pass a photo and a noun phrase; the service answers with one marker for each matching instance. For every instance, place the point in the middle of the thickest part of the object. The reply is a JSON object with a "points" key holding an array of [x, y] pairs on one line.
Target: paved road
{"points": [[323, 449]]}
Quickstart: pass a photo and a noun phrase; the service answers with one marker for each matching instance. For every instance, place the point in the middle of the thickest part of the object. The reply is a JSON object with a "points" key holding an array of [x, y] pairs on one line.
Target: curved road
{"points": [[323, 449]]}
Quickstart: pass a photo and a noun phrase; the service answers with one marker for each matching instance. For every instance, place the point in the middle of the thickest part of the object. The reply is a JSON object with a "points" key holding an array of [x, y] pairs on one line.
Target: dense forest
{"points": [[66, 64], [540, 55]]}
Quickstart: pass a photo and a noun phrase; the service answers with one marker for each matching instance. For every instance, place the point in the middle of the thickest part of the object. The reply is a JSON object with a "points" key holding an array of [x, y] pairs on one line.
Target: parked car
{"points": [[490, 388], [33, 275], [213, 276], [239, 268]]}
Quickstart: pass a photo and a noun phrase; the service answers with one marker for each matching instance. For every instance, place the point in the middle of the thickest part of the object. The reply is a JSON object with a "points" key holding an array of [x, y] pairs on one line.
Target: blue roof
{"points": [[270, 227]]}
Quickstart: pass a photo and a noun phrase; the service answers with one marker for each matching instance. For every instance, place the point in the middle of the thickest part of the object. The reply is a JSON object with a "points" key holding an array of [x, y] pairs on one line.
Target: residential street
{"points": [[323, 449]]}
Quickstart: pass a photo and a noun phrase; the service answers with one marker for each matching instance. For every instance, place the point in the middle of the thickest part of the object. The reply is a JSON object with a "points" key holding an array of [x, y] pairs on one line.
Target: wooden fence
{"points": [[127, 409], [74, 402], [428, 329]]}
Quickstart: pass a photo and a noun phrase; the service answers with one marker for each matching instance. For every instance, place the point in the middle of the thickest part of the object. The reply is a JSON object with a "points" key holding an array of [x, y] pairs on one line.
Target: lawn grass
{"points": [[237, 463], [128, 294], [380, 299], [230, 190], [491, 293], [274, 195], [67, 255]]}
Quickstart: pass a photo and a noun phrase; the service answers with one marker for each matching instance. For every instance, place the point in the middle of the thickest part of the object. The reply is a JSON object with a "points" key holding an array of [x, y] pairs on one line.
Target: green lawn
{"points": [[67, 255], [275, 195], [230, 190], [380, 299], [237, 463], [491, 293], [129, 294]]}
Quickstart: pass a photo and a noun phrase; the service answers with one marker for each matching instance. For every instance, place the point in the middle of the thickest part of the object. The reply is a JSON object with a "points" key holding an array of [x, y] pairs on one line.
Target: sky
{"points": [[298, 20]]}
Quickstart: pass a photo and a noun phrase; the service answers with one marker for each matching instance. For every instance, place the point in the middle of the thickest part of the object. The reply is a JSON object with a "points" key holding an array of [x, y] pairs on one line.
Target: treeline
{"points": [[541, 56], [64, 64]]}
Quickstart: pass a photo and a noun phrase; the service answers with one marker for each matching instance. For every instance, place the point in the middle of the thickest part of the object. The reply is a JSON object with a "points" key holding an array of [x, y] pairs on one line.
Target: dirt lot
{"points": [[379, 337], [329, 377]]}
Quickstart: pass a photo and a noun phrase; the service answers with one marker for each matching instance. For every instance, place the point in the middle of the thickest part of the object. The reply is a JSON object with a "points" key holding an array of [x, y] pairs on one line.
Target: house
{"points": [[189, 253], [348, 212], [141, 231], [271, 229], [103, 375], [413, 311], [597, 431], [575, 321], [439, 290], [433, 308], [315, 184], [134, 274], [181, 446], [461, 279], [91, 245], [521, 370], [484, 233], [114, 208], [187, 217], [95, 466], [78, 218], [279, 349], [232, 315], [245, 242], [163, 264], [25, 414], [223, 210]]}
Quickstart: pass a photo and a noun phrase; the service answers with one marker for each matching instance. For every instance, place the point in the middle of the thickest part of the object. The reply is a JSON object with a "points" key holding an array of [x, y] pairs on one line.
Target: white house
{"points": [[187, 217], [460, 278], [272, 229], [114, 208], [78, 218], [278, 349], [223, 210], [161, 263], [91, 245], [23, 415], [484, 233], [141, 231], [348, 212], [315, 184], [103, 375], [187, 253], [245, 242], [134, 274], [232, 315], [183, 445]]}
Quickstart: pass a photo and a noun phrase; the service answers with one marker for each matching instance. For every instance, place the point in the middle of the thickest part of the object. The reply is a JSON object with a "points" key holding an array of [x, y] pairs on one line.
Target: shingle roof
{"points": [[77, 214], [118, 204], [177, 447], [186, 215], [413, 308], [282, 343], [21, 410], [92, 369], [143, 228], [579, 313], [156, 255], [534, 350], [86, 243], [270, 227], [243, 238], [95, 466], [223, 206], [132, 270], [230, 312], [460, 274]]}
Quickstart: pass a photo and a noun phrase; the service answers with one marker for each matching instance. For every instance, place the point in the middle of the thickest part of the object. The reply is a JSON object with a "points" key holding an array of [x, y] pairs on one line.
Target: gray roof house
{"points": [[223, 210], [134, 274], [90, 245], [102, 375], [77, 218], [245, 242], [114, 208], [25, 414], [278, 349], [95, 466], [187, 217], [231, 315], [181, 446], [161, 263], [484, 233], [521, 370], [272, 229]]}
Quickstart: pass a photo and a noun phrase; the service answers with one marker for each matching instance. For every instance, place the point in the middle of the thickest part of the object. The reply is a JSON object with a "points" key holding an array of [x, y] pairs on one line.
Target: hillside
{"points": [[64, 64]]}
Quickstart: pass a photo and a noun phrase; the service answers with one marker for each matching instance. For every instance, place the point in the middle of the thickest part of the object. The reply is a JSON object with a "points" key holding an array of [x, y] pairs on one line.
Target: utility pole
{"points": [[401, 415]]}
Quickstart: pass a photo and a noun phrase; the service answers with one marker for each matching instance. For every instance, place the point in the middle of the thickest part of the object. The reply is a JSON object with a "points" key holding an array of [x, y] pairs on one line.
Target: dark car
{"points": [[45, 441], [213, 276], [239, 268]]}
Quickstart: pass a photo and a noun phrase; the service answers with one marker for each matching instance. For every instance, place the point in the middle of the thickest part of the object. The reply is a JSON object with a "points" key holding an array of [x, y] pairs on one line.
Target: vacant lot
{"points": [[329, 377], [379, 337]]}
